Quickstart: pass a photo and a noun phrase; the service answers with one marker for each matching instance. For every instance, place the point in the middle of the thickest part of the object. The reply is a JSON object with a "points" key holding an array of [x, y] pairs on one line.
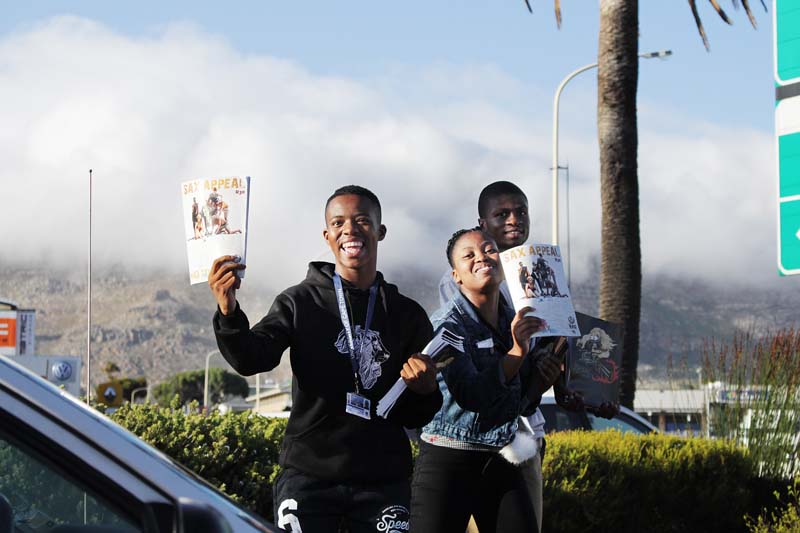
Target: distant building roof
{"points": [[269, 393], [7, 304], [669, 401]]}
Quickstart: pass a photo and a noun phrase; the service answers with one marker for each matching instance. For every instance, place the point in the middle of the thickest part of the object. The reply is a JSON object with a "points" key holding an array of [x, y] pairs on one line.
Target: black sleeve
{"points": [[415, 410], [250, 351], [544, 347]]}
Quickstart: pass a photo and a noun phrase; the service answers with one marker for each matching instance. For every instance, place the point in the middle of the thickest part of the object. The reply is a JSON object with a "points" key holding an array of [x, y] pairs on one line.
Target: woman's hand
{"points": [[522, 329], [224, 281]]}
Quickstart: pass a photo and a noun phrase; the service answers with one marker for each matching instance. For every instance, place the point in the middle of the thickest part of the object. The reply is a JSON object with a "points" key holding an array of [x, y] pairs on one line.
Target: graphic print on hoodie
{"points": [[371, 353]]}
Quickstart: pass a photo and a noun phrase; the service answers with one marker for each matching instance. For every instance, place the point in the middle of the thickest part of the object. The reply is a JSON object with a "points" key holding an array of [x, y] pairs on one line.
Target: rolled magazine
{"points": [[443, 339]]}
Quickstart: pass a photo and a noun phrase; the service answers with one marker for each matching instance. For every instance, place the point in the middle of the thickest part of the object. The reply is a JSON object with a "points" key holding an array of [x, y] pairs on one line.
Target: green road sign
{"points": [[787, 132], [787, 41], [789, 258]]}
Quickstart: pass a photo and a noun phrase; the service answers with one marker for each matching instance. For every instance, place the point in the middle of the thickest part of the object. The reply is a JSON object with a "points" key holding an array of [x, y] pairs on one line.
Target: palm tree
{"points": [[621, 256]]}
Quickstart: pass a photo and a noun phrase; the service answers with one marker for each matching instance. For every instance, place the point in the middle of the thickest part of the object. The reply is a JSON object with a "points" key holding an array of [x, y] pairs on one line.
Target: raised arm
{"points": [[249, 351]]}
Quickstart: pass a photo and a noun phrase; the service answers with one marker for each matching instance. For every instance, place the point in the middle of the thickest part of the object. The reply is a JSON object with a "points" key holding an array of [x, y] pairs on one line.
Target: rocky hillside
{"points": [[155, 324]]}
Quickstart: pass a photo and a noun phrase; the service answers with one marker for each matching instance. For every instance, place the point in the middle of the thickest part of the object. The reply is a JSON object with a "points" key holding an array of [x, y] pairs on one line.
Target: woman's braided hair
{"points": [[454, 239]]}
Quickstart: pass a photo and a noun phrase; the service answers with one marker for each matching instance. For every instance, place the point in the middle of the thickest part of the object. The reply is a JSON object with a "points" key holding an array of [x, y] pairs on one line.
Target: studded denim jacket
{"points": [[479, 406]]}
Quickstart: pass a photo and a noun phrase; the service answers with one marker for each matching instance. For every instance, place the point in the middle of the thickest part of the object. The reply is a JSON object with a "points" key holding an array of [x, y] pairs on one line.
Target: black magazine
{"points": [[594, 360]]}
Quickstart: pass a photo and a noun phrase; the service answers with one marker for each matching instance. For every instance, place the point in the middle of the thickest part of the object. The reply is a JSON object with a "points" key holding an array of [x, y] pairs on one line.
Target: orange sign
{"points": [[110, 393], [8, 333]]}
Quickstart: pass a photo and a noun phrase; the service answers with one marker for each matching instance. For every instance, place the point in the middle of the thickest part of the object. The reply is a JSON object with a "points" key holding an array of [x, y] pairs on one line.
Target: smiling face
{"points": [[507, 220], [352, 230], [475, 263]]}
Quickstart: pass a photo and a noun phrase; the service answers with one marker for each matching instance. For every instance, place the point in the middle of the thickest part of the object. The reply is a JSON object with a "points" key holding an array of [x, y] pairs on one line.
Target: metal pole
{"points": [[139, 389], [205, 382], [89, 303], [648, 55], [258, 393], [555, 143], [569, 238]]}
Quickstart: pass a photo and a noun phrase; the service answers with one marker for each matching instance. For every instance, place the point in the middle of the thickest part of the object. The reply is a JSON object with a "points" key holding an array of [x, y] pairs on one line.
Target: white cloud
{"points": [[147, 113]]}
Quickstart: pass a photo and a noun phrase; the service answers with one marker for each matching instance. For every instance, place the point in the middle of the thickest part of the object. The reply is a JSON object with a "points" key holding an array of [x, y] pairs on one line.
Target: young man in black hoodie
{"points": [[350, 335]]}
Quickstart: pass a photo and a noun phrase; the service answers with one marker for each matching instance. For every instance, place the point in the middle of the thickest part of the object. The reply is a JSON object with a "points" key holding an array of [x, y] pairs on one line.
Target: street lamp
{"points": [[205, 381], [648, 55]]}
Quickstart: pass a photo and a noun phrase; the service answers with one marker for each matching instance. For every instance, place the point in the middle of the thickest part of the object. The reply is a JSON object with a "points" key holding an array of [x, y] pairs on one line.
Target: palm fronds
{"points": [[693, 6]]}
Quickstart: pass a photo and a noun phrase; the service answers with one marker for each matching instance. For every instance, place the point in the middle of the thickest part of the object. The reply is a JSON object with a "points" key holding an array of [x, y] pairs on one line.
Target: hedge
{"points": [[594, 481], [657, 483], [235, 452]]}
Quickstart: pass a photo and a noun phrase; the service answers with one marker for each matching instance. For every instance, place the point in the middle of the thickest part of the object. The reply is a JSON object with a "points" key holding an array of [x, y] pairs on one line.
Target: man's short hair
{"points": [[357, 190], [493, 190]]}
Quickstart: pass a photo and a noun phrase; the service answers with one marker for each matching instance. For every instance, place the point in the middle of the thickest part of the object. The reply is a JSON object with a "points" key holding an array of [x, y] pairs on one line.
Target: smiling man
{"points": [[350, 336]]}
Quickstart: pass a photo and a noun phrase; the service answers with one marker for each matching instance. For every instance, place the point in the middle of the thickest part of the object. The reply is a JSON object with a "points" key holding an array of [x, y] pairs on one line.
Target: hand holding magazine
{"points": [[442, 340], [535, 277], [215, 213]]}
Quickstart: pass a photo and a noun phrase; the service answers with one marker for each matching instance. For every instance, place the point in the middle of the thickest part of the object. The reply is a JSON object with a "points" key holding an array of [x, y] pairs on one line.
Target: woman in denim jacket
{"points": [[466, 461]]}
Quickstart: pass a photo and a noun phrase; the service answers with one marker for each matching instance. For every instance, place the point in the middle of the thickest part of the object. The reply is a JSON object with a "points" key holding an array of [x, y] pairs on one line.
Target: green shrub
{"points": [[596, 481], [784, 520], [189, 386], [238, 453]]}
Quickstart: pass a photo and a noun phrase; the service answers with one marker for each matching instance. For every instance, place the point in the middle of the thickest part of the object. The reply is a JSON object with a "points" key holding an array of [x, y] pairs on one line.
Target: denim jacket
{"points": [[479, 406]]}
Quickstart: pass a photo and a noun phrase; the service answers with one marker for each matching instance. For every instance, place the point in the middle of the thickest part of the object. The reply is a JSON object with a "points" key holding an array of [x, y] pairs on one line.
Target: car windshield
{"points": [[42, 497], [620, 422], [69, 401]]}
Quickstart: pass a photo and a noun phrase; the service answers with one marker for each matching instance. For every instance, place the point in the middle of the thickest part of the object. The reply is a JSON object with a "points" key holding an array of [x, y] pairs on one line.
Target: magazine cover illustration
{"points": [[215, 215], [594, 360], [535, 278]]}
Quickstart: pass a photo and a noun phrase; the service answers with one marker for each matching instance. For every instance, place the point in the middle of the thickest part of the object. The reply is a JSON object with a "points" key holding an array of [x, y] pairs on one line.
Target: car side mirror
{"points": [[197, 516]]}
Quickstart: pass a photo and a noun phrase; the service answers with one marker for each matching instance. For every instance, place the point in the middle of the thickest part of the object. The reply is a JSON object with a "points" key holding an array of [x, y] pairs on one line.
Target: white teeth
{"points": [[353, 248]]}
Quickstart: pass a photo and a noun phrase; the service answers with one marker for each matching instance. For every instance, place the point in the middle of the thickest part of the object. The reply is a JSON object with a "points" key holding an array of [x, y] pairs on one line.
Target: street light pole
{"points": [[89, 303], [205, 381], [648, 55], [258, 393]]}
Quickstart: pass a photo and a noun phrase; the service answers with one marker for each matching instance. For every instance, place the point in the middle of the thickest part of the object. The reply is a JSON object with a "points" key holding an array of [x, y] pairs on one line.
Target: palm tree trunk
{"points": [[621, 269]]}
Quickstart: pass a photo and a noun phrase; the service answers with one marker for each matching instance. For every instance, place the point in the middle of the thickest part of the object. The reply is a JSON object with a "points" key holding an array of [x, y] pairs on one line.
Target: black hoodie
{"points": [[321, 439]]}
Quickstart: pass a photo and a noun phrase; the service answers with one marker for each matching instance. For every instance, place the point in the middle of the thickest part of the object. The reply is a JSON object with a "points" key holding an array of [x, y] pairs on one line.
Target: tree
{"points": [[128, 385], [621, 256], [189, 386], [112, 370]]}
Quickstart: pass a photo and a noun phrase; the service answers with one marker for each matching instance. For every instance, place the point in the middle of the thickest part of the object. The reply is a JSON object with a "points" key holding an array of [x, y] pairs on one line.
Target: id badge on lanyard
{"points": [[357, 404]]}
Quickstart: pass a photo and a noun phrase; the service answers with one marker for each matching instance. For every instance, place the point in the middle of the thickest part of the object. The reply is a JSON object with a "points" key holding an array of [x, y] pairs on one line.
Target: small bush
{"points": [[238, 453], [602, 481], [784, 520]]}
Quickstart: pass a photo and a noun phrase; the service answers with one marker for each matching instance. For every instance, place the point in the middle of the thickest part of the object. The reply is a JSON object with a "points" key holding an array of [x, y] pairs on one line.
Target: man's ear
{"points": [[456, 277], [325, 234], [381, 232], [482, 223]]}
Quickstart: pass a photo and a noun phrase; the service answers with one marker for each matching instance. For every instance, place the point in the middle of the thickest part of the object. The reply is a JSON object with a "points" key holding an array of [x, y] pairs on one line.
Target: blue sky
{"points": [[421, 101], [360, 39]]}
